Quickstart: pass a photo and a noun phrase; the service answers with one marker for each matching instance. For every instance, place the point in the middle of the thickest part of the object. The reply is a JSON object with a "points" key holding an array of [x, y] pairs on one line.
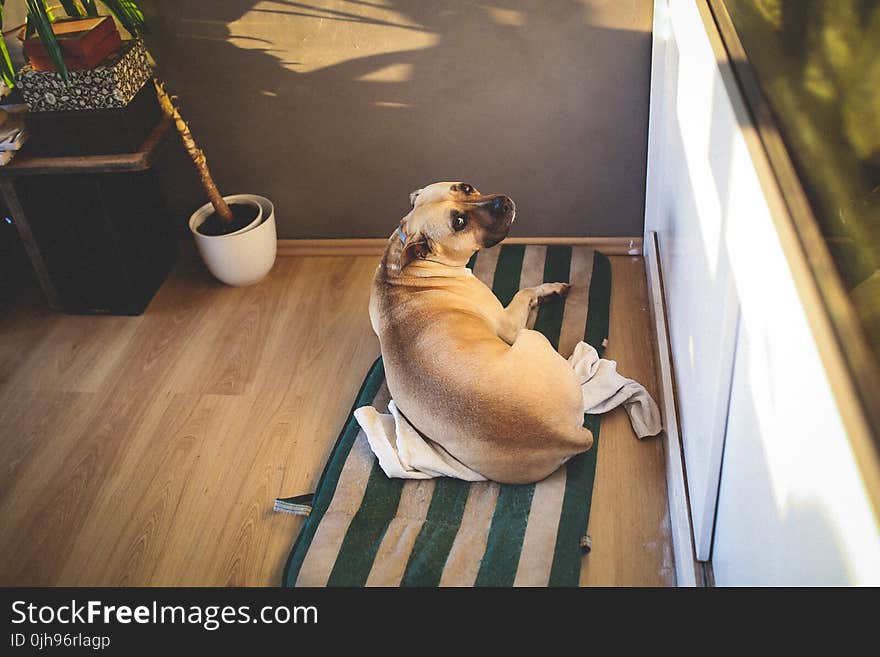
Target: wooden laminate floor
{"points": [[149, 450]]}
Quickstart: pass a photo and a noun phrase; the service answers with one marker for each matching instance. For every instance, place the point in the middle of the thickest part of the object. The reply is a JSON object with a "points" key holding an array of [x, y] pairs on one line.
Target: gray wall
{"points": [[337, 110]]}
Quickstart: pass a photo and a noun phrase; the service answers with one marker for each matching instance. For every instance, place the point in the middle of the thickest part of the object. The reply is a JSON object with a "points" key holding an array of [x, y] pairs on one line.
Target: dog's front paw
{"points": [[563, 289], [557, 289], [549, 290]]}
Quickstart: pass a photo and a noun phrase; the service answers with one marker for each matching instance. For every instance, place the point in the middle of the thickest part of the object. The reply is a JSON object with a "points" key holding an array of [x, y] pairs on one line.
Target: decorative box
{"points": [[111, 85], [84, 43]]}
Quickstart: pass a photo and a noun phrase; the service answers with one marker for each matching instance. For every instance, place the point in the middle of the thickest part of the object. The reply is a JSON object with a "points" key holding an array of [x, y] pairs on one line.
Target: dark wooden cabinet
{"points": [[96, 228]]}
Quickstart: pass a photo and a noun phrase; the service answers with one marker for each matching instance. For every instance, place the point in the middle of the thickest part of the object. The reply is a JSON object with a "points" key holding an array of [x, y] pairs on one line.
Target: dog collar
{"points": [[400, 234]]}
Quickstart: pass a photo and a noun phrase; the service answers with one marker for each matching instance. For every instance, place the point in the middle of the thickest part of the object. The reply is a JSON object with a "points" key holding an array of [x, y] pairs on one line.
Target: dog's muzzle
{"points": [[502, 210], [503, 206]]}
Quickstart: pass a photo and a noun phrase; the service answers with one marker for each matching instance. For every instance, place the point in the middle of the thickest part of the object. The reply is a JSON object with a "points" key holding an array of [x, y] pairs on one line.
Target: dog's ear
{"points": [[413, 196], [416, 246]]}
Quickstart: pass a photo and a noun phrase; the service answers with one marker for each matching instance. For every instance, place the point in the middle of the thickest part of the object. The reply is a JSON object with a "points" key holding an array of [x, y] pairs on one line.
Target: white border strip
{"points": [[676, 488]]}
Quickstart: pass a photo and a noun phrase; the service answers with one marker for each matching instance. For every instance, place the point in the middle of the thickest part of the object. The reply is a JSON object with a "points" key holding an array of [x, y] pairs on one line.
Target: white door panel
{"points": [[688, 206]]}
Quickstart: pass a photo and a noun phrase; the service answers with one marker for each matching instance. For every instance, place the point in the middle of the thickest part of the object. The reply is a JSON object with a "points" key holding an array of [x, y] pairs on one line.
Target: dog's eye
{"points": [[459, 221], [464, 188]]}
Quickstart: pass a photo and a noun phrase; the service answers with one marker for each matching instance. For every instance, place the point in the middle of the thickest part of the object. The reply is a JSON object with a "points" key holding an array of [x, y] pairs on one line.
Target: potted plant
{"points": [[234, 234]]}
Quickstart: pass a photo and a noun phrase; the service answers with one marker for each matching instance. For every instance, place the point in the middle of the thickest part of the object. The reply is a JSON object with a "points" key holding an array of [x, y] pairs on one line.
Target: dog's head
{"points": [[450, 221]]}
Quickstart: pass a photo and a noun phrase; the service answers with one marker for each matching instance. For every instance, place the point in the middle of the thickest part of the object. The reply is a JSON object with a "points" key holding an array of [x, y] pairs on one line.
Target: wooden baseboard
{"points": [[686, 567], [376, 246], [332, 247]]}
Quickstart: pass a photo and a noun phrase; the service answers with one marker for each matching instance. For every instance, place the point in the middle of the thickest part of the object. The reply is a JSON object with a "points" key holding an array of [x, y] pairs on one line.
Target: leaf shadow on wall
{"points": [[524, 97]]}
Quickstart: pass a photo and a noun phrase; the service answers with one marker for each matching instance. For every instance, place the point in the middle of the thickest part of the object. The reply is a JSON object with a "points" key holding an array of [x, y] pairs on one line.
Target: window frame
{"points": [[849, 336]]}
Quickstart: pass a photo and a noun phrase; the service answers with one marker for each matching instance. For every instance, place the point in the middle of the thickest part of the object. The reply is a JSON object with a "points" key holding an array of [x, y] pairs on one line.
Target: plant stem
{"points": [[198, 157]]}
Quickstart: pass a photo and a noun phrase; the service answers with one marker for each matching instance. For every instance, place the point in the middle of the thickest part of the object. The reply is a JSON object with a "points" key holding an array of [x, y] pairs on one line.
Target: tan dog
{"points": [[463, 369]]}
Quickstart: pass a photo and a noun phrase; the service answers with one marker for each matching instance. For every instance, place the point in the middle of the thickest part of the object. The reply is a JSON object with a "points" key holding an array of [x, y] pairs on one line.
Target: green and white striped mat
{"points": [[365, 529]]}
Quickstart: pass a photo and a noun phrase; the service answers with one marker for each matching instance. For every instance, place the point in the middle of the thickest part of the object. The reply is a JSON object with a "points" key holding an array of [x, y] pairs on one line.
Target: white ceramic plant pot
{"points": [[245, 256]]}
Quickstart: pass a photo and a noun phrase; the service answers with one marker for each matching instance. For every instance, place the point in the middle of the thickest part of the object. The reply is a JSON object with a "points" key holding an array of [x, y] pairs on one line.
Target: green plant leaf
{"points": [[129, 14], [7, 73], [39, 16], [91, 7], [71, 8]]}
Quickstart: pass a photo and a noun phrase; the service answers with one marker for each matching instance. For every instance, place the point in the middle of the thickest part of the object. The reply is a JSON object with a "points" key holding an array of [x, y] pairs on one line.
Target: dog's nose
{"points": [[501, 205]]}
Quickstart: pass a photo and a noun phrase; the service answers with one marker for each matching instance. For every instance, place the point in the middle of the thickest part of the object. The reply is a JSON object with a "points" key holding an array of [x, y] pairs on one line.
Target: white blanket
{"points": [[404, 454]]}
